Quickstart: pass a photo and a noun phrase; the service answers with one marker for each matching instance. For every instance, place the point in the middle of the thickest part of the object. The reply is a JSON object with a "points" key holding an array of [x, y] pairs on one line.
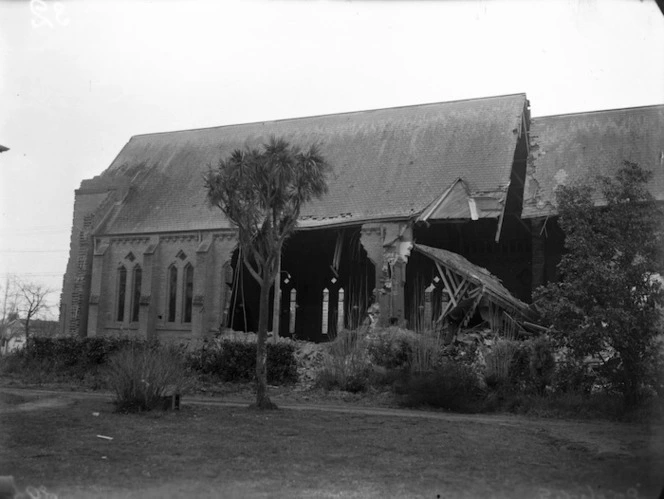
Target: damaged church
{"points": [[434, 211]]}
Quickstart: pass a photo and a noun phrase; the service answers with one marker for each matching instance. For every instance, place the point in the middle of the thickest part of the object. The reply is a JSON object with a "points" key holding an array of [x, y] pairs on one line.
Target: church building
{"points": [[433, 210]]}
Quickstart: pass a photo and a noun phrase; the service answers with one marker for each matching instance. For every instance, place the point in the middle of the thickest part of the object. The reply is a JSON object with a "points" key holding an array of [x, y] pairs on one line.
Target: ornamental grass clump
{"points": [[141, 375], [346, 365]]}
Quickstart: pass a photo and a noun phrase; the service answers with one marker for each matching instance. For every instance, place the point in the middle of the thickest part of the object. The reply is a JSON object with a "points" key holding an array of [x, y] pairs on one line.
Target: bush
{"points": [[542, 364], [68, 359], [498, 362], [281, 363], [519, 370], [234, 361], [572, 376], [347, 366], [71, 351], [453, 386], [140, 375], [532, 366], [391, 348], [427, 354]]}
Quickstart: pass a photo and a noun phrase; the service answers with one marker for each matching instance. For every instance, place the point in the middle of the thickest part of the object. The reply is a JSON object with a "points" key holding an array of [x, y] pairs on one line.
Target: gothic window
{"points": [[172, 292], [188, 292], [136, 293], [122, 286]]}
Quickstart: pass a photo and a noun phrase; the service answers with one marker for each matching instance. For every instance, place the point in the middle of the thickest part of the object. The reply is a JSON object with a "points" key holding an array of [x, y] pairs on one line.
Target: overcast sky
{"points": [[79, 78]]}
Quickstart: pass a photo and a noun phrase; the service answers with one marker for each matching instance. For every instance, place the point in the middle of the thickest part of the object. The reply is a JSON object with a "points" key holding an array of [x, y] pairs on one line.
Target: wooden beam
{"points": [[471, 310], [452, 276], [450, 290]]}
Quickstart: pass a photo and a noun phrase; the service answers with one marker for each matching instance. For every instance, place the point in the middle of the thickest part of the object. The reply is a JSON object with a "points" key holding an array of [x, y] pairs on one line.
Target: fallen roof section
{"points": [[481, 283]]}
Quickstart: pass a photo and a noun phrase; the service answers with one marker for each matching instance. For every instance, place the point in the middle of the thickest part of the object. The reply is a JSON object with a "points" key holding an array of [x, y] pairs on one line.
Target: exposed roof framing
{"points": [[467, 283]]}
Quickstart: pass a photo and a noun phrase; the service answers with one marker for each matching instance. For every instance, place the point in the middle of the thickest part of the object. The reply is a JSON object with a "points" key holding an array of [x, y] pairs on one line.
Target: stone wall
{"points": [[206, 253], [93, 202]]}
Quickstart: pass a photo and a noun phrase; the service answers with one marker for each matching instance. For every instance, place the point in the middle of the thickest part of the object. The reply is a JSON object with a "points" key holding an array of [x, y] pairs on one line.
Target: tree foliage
{"points": [[262, 190], [607, 303]]}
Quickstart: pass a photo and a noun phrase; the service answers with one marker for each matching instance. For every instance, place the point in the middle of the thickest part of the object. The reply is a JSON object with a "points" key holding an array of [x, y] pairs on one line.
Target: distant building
{"points": [[12, 334]]}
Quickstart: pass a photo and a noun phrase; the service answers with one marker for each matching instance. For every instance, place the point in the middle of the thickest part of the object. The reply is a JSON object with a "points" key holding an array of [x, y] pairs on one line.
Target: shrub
{"points": [[204, 358], [394, 348], [140, 374], [70, 351], [606, 299], [391, 348], [542, 364], [532, 366], [519, 369], [498, 362], [572, 376], [68, 359], [452, 386], [232, 361], [426, 354], [346, 367], [281, 363], [237, 361]]}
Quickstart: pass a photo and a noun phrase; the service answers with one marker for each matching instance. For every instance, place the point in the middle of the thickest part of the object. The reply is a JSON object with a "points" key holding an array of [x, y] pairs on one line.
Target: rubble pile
{"points": [[310, 356]]}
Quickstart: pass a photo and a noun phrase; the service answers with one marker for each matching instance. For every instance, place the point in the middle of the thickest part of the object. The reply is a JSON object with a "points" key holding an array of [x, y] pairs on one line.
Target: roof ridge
{"points": [[329, 114], [597, 111]]}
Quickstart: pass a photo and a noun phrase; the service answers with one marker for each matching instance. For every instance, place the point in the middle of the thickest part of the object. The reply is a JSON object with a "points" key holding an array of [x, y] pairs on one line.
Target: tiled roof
{"points": [[575, 148], [387, 163]]}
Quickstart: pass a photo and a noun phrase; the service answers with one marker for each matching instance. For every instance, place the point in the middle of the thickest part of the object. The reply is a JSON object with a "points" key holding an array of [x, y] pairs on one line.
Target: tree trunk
{"points": [[262, 398], [27, 328]]}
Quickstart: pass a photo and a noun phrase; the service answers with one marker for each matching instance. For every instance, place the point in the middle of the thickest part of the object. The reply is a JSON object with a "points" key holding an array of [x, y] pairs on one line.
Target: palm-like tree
{"points": [[262, 192]]}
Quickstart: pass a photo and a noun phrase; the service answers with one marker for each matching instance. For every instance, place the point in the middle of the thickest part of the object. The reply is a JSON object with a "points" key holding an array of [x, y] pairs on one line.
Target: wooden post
{"points": [[326, 306], [293, 306], [226, 293], [340, 311], [428, 312]]}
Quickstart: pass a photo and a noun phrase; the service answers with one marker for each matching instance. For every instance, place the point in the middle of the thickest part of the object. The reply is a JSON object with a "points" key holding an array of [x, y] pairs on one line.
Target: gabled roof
{"points": [[388, 163], [575, 148]]}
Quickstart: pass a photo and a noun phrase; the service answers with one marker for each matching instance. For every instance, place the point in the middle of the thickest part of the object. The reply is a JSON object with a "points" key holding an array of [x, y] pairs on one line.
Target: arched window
{"points": [[136, 293], [188, 293], [172, 292], [121, 292]]}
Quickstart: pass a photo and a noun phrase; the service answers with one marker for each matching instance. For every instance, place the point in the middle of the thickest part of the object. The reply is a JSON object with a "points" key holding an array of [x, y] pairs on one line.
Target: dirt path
{"points": [[602, 438]]}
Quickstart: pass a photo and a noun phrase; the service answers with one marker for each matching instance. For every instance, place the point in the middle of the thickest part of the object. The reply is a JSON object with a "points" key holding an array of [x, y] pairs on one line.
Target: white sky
{"points": [[79, 78]]}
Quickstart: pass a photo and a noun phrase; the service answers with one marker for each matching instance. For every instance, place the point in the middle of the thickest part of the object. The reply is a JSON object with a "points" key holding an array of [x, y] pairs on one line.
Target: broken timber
{"points": [[467, 284]]}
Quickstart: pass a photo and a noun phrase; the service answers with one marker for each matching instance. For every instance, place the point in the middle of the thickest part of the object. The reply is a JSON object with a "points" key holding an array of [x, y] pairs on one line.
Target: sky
{"points": [[79, 78]]}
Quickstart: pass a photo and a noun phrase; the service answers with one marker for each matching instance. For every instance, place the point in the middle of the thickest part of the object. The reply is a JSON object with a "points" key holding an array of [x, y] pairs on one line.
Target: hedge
{"points": [[226, 360]]}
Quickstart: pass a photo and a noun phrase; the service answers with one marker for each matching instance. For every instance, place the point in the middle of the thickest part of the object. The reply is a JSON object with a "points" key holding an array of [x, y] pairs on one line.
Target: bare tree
{"points": [[32, 301]]}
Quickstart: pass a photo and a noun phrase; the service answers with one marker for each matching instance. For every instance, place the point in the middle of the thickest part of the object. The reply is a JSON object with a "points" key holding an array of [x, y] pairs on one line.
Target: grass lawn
{"points": [[213, 451]]}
